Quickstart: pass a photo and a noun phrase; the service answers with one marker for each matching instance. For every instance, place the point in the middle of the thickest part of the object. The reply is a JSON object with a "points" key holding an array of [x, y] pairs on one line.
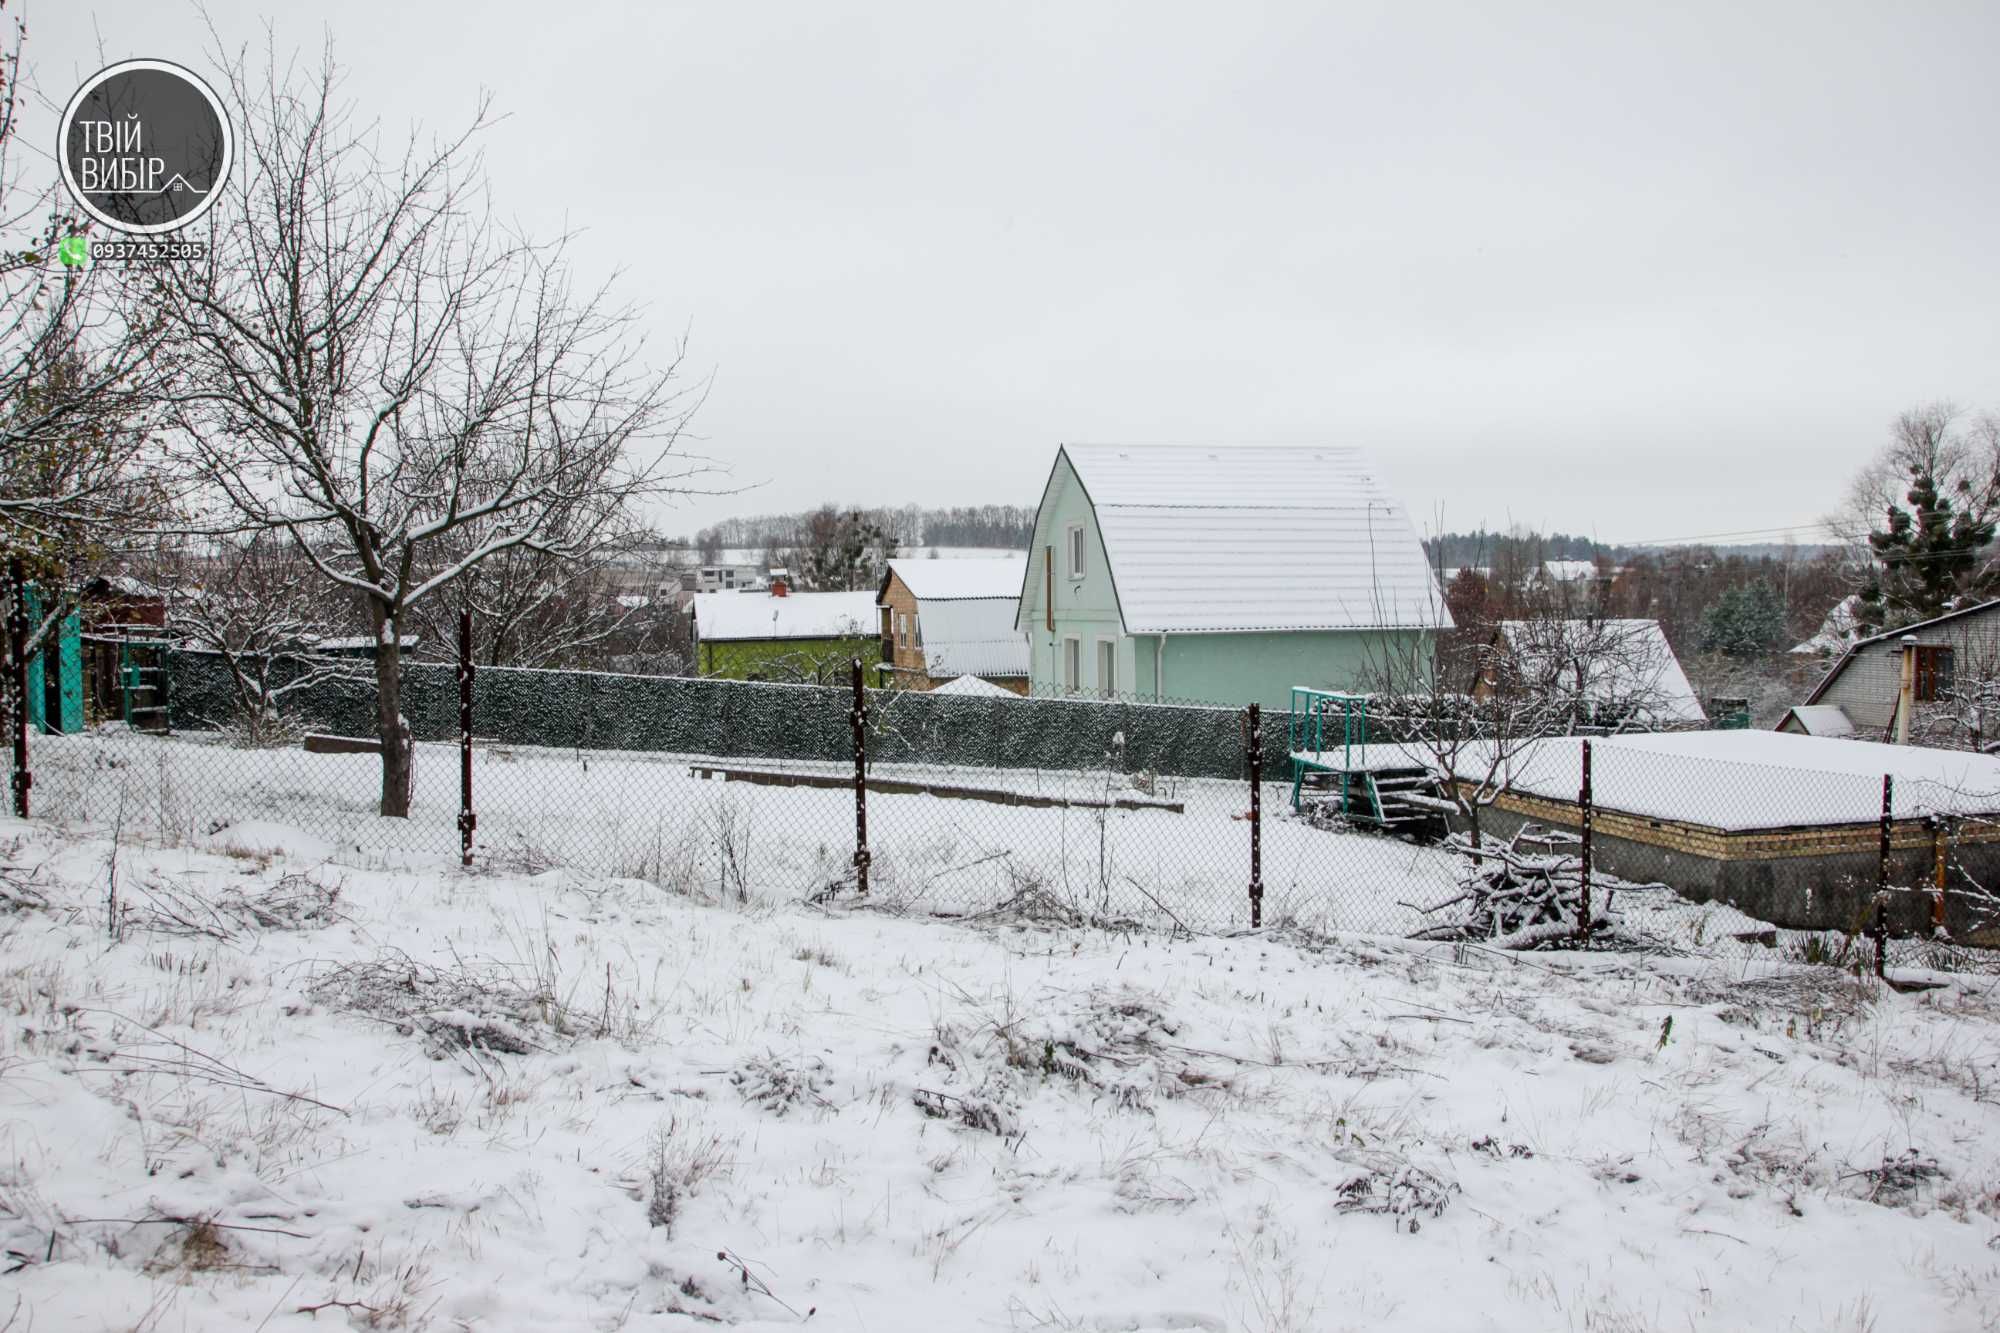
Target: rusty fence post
{"points": [[1256, 817], [467, 820], [1881, 929], [1940, 850], [17, 682], [858, 719], [1585, 805]]}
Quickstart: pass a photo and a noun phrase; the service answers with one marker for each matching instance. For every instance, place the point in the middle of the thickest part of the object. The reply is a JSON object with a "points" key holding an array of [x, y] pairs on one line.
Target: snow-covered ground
{"points": [[648, 816], [247, 1084]]}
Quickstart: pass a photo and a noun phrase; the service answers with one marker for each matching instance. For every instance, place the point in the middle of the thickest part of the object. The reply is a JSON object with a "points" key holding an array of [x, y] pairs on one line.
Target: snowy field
{"points": [[254, 1084]]}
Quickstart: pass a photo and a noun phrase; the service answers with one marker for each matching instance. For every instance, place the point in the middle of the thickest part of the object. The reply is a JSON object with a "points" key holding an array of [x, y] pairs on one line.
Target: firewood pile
{"points": [[1523, 893]]}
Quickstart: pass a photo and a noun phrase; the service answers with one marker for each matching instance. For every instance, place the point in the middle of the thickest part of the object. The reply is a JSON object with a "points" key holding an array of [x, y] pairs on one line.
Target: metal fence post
{"points": [[1882, 877], [1584, 804], [1940, 832], [17, 682], [1256, 817], [858, 719], [467, 820]]}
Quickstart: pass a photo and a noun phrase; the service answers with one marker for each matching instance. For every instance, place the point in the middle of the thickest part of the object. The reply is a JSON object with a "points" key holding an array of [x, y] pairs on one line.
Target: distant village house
{"points": [[1936, 682], [1223, 574], [780, 635], [946, 619]]}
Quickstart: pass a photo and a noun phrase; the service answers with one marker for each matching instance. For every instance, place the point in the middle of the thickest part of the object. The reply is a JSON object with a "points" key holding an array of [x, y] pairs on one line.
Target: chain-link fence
{"points": [[1119, 812]]}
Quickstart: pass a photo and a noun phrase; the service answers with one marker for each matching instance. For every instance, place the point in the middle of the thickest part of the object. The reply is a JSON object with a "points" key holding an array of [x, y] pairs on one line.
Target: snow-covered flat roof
{"points": [[722, 616], [1736, 780], [1221, 538]]}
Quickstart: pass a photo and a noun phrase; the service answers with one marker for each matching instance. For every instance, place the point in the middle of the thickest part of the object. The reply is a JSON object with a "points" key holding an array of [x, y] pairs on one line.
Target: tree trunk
{"points": [[391, 726]]}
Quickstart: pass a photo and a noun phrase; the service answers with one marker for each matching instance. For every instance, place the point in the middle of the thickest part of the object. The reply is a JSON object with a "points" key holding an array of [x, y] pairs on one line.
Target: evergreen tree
{"points": [[1930, 556], [1746, 621]]}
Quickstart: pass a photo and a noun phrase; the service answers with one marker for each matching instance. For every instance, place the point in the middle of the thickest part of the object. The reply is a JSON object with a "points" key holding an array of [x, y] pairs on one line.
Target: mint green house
{"points": [[1223, 574]]}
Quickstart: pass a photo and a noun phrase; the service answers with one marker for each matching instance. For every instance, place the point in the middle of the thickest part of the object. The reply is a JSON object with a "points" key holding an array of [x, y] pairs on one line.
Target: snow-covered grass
{"points": [[248, 1085], [647, 816]]}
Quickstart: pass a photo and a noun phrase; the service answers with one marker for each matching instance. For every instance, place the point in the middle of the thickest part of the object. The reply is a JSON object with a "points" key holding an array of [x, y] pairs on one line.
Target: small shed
{"points": [[782, 635], [1817, 720], [948, 619]]}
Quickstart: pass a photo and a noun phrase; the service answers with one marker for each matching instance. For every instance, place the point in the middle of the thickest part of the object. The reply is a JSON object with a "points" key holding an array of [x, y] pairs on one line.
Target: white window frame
{"points": [[1106, 688], [1073, 551], [1069, 670]]}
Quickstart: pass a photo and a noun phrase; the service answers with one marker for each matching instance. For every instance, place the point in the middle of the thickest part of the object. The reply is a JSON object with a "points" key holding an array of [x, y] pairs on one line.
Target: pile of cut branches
{"points": [[1524, 893]]}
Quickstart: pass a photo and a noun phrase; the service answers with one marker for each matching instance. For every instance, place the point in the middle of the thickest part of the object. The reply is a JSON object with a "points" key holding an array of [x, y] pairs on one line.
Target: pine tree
{"points": [[1929, 557]]}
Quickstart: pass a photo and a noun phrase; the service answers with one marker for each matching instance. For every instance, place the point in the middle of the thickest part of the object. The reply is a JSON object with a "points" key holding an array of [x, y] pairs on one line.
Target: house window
{"points": [[1075, 538], [902, 629], [1934, 672], [1072, 665], [916, 630], [1107, 667]]}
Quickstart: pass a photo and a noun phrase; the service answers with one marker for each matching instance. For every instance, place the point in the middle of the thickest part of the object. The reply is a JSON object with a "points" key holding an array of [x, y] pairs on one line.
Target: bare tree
{"points": [[537, 608], [1963, 712], [1524, 680], [261, 607], [372, 367], [835, 550], [1939, 439], [1587, 674], [79, 482]]}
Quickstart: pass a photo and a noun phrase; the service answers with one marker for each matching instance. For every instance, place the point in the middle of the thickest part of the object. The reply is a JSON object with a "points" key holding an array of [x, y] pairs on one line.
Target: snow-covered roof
{"points": [[971, 636], [1252, 537], [722, 616], [931, 580], [975, 686], [1962, 612], [1739, 780], [1819, 720], [1569, 571], [1626, 662], [1836, 632]]}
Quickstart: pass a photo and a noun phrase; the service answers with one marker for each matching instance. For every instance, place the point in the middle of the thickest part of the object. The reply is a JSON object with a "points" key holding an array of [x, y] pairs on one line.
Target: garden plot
{"points": [[248, 1087]]}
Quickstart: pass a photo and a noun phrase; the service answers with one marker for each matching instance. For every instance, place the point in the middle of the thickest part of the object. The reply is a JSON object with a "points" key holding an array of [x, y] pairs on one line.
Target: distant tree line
{"points": [[909, 526]]}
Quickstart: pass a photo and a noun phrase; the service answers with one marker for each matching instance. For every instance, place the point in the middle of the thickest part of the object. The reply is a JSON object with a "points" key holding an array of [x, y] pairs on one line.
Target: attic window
{"points": [[1074, 540]]}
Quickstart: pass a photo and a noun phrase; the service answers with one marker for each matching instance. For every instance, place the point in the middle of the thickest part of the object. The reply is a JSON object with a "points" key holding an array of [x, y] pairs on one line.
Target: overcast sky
{"points": [[1646, 274]]}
